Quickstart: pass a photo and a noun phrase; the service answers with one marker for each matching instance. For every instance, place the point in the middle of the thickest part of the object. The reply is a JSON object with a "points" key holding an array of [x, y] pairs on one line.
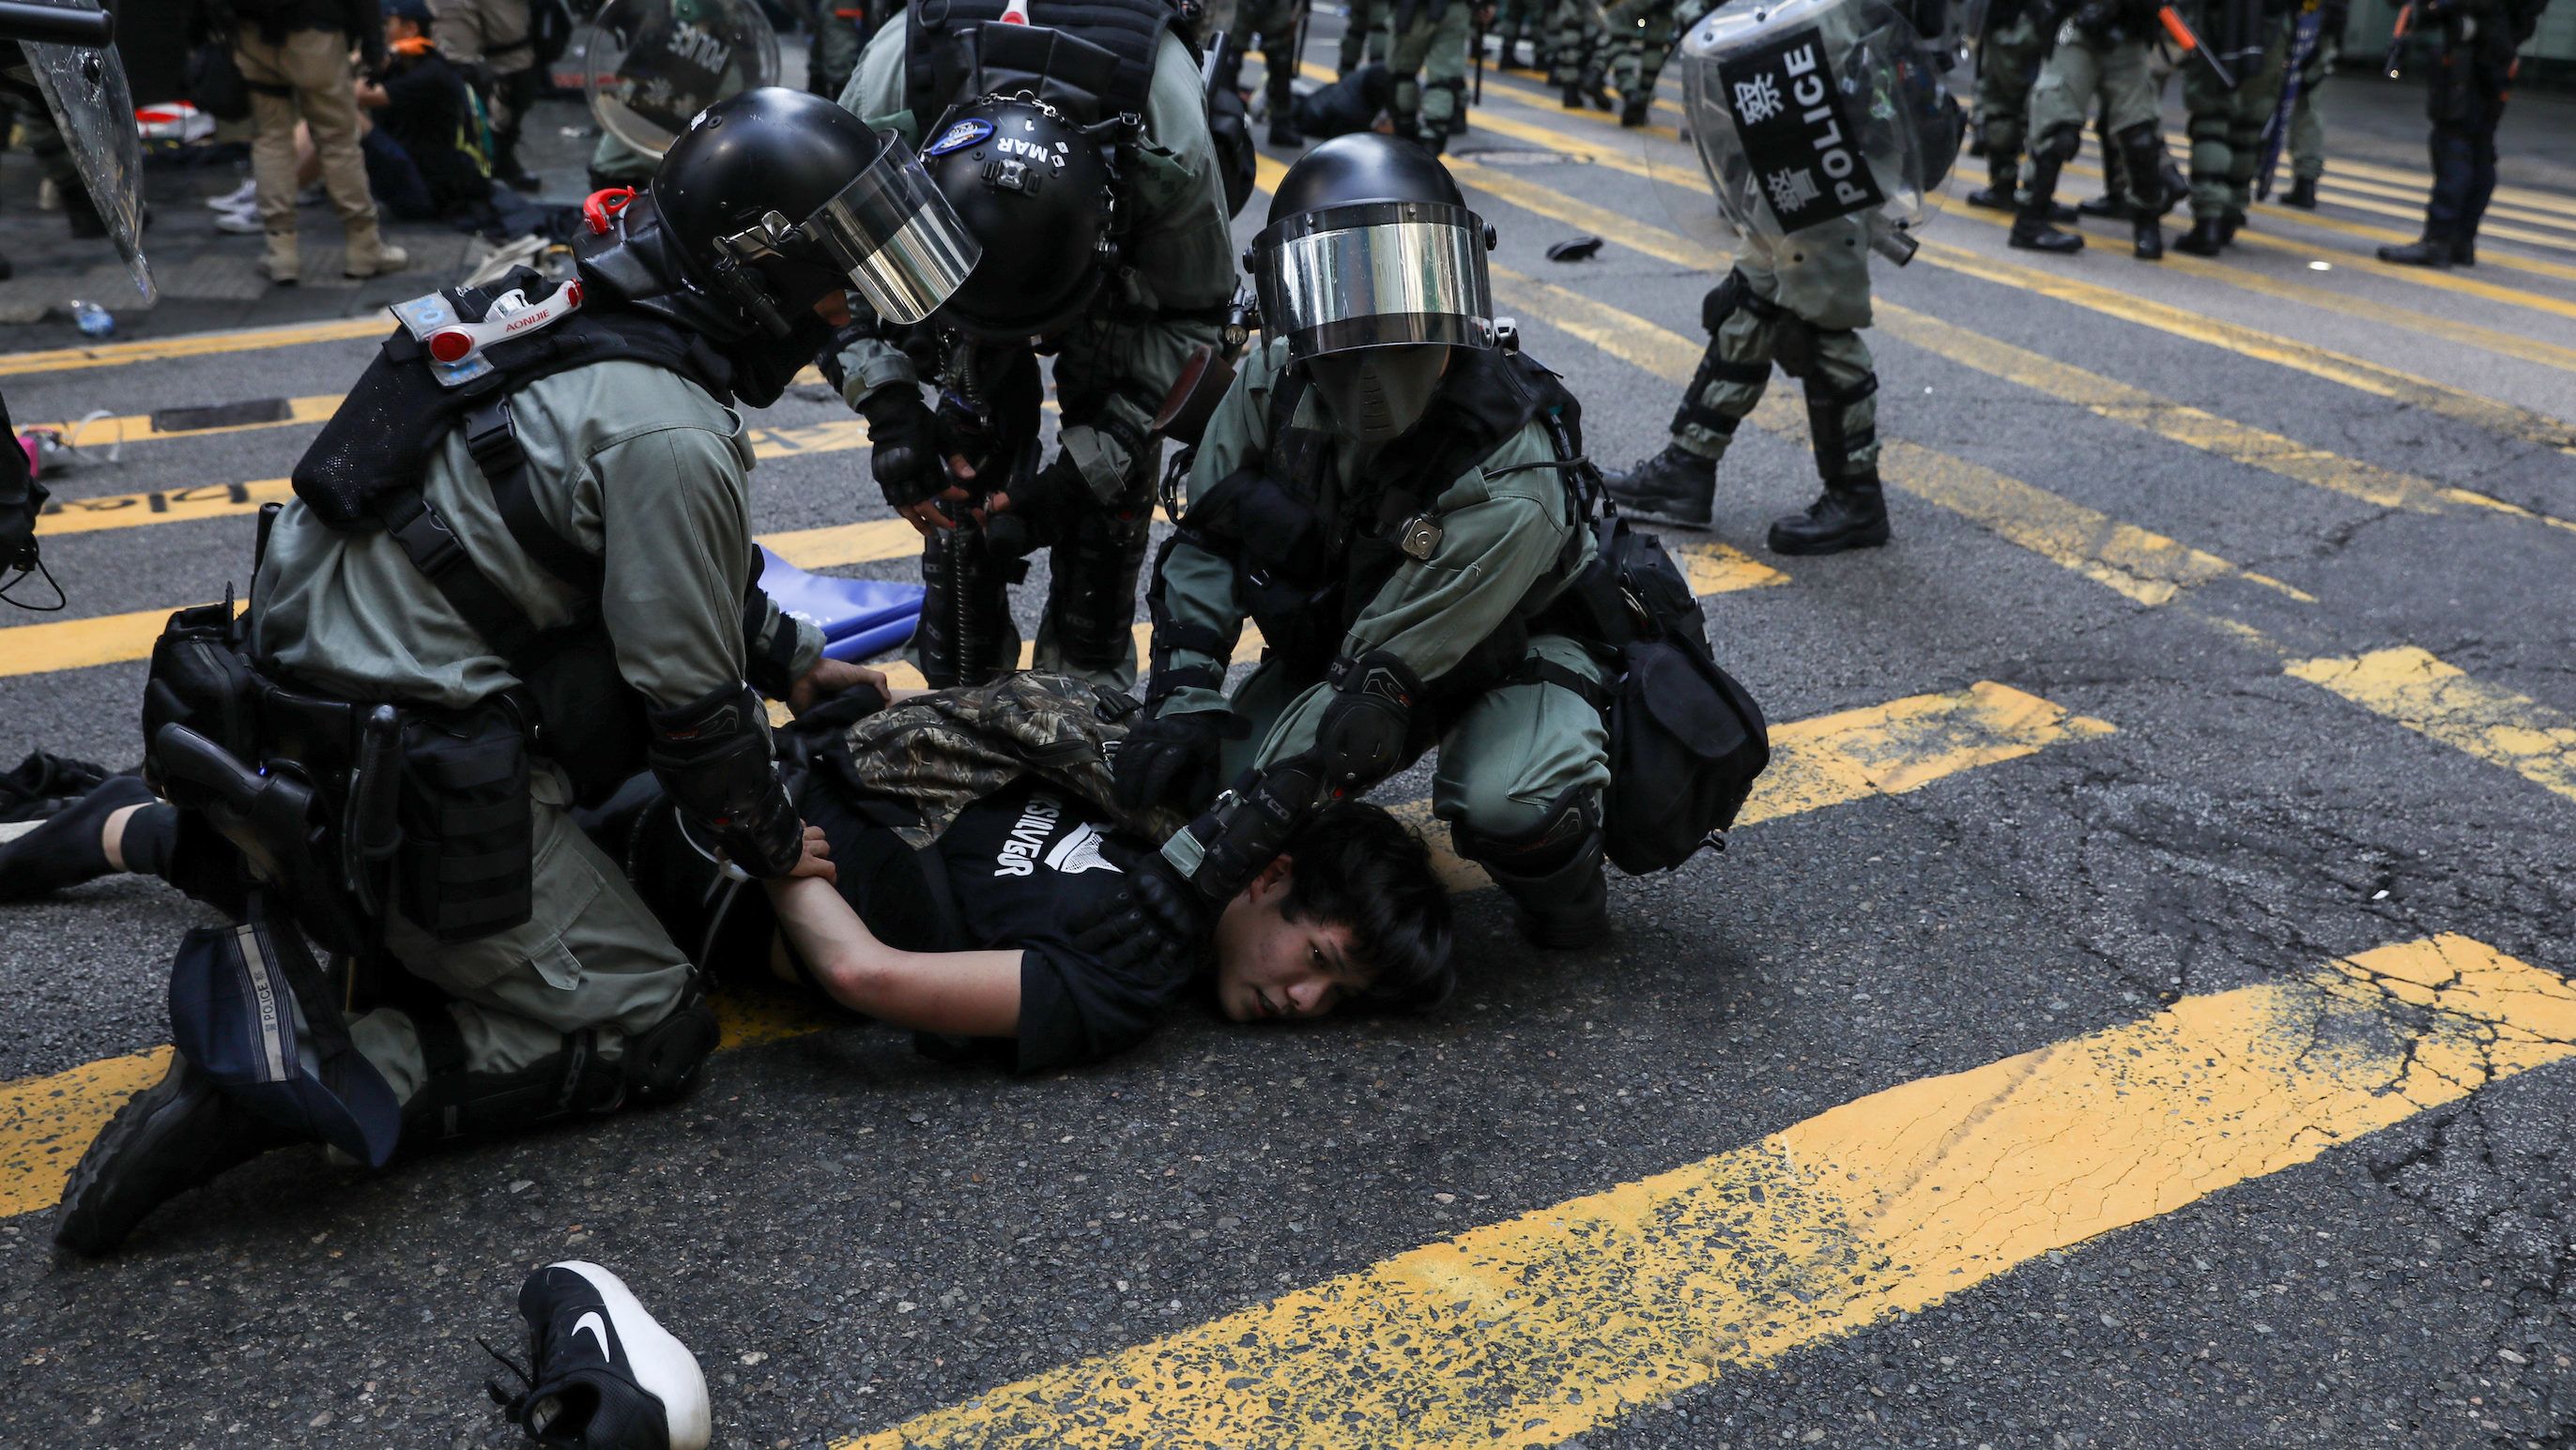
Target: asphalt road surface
{"points": [[2133, 1013]]}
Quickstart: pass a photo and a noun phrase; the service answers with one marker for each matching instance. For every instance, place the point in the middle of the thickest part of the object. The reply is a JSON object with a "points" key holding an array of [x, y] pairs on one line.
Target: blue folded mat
{"points": [[859, 617]]}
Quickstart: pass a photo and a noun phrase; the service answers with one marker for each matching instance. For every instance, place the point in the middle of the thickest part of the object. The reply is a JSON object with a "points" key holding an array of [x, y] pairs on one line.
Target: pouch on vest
{"points": [[466, 865], [1685, 740], [201, 678]]}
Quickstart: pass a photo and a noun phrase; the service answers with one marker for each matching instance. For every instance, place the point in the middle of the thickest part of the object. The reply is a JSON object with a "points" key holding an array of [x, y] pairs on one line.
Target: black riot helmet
{"points": [[1371, 268], [1034, 187], [775, 199]]}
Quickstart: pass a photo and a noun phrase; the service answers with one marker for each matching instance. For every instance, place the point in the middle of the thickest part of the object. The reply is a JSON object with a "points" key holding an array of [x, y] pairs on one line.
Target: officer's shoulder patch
{"points": [[959, 136]]}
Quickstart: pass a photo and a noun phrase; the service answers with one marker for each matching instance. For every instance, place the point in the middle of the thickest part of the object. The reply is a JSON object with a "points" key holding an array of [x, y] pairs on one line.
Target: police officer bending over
{"points": [[536, 554], [1076, 149], [1382, 491]]}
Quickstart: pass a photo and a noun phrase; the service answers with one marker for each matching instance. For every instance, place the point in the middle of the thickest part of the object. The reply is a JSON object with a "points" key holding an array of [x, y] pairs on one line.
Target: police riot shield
{"points": [[86, 93], [654, 64], [1806, 111]]}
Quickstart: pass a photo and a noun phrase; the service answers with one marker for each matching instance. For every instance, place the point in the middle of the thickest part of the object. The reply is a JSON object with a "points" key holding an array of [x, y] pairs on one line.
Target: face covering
{"points": [[1377, 393]]}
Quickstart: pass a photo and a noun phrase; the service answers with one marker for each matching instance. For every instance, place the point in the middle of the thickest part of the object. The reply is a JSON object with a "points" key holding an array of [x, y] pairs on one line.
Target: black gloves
{"points": [[1042, 510], [1172, 759], [904, 439], [1153, 928]]}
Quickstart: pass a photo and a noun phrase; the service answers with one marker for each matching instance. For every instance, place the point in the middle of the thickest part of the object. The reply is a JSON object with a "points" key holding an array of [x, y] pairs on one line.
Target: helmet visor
{"points": [[896, 237], [1375, 274]]}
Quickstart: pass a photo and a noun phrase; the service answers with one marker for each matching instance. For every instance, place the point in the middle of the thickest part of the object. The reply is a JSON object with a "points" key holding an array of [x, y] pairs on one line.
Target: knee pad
{"points": [[1722, 300], [1366, 731], [1566, 833], [2058, 144]]}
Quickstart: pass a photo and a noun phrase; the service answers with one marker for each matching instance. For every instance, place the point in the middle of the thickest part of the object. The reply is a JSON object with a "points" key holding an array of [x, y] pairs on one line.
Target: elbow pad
{"points": [[1247, 828], [1366, 725], [713, 756]]}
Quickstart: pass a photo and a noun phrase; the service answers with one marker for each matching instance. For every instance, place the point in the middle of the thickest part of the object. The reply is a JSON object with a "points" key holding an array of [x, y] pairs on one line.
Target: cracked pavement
{"points": [[850, 1235]]}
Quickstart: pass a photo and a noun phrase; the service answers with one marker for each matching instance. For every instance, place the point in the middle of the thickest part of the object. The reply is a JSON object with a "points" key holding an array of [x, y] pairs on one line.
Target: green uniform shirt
{"points": [[629, 461], [1502, 554], [1122, 359]]}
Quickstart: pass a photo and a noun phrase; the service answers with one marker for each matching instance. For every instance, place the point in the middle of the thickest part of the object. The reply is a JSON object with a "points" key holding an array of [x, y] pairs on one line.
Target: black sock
{"points": [[151, 833], [66, 850]]}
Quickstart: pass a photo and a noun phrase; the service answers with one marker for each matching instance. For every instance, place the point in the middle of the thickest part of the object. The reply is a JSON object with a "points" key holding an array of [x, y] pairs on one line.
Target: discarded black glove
{"points": [[1042, 511], [903, 440], [1574, 249], [1172, 759]]}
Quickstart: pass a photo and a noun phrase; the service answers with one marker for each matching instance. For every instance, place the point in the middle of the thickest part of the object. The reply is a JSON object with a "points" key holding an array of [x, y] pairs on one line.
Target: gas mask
{"points": [[1375, 394]]}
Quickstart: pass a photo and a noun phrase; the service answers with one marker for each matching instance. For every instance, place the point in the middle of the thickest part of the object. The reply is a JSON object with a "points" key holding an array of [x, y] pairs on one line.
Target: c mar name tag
{"points": [[1800, 143]]}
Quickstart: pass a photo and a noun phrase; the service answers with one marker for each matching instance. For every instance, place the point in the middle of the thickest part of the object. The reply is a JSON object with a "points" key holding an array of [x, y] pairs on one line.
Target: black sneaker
{"points": [[63, 850], [1675, 486], [602, 1375], [171, 1137], [43, 783]]}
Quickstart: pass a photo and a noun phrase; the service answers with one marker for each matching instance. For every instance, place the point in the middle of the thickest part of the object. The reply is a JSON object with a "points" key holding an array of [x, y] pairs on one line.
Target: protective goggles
{"points": [[1375, 274], [890, 231]]}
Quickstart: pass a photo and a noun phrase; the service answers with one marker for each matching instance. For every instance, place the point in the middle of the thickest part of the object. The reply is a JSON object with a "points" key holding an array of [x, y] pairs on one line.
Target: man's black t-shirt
{"points": [[1021, 869]]}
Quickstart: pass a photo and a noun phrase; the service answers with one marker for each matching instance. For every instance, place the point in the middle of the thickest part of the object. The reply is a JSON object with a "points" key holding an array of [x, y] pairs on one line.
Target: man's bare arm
{"points": [[964, 994]]}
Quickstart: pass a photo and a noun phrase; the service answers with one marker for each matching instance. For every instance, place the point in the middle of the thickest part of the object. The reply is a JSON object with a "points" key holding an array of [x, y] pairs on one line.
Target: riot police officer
{"points": [[2009, 53], [1427, 54], [1799, 292], [2473, 63], [523, 547], [2101, 50], [2227, 123], [1382, 493], [1076, 148]]}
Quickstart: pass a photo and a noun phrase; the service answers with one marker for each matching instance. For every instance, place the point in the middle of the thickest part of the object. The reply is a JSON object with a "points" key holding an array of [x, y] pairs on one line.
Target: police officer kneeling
{"points": [[1396, 500], [526, 492]]}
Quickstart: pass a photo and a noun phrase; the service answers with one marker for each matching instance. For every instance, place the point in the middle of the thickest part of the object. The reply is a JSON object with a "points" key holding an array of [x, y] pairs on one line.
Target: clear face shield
{"points": [[1371, 296], [890, 232], [93, 108]]}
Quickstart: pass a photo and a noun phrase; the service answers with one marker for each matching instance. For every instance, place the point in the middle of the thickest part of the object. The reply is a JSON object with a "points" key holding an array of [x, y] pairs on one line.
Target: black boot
{"points": [[2302, 193], [2149, 237], [1632, 111], [2430, 252], [2030, 229], [2464, 252], [1573, 96], [1284, 133], [1675, 486], [1283, 103], [173, 1136], [2205, 239], [2003, 171], [2228, 223], [1598, 94], [2108, 204], [1850, 514]]}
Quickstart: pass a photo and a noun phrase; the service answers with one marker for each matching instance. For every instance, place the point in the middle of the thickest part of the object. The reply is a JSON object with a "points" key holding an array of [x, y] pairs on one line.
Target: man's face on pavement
{"points": [[1268, 966]]}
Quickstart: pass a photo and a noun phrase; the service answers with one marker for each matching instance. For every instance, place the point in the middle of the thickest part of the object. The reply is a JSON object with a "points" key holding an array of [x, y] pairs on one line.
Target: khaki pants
{"points": [[306, 79], [590, 955]]}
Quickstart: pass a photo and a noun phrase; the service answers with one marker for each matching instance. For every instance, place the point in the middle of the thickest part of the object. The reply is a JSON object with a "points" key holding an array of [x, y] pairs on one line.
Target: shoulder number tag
{"points": [[1420, 537]]}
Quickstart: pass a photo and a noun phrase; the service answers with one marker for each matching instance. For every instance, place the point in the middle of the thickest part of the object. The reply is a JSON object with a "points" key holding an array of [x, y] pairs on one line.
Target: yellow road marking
{"points": [[2508, 419], [2420, 183], [1714, 568], [2194, 427], [1903, 745], [2274, 212], [2468, 334], [137, 427], [1562, 1321], [230, 500], [202, 344], [2432, 698], [2140, 564]]}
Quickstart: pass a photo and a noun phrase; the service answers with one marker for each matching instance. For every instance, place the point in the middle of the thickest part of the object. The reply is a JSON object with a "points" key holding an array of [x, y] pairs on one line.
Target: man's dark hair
{"points": [[1359, 867]]}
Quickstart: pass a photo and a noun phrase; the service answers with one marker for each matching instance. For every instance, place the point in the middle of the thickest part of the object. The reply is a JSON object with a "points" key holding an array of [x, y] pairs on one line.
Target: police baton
{"points": [[2191, 46], [2397, 39]]}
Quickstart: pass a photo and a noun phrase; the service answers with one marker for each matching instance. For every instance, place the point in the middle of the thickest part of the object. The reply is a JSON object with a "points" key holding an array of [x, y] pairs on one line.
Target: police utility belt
{"points": [[351, 807]]}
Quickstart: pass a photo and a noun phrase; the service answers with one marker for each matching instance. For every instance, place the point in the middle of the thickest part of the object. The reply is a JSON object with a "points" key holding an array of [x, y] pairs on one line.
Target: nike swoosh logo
{"points": [[598, 1328]]}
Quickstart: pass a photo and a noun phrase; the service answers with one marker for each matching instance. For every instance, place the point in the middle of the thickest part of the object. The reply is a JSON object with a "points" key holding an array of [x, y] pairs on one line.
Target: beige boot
{"points": [[370, 256], [281, 265]]}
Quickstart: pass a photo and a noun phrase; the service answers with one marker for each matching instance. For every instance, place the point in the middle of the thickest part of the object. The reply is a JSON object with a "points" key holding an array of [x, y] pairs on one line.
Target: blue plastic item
{"points": [[859, 617]]}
